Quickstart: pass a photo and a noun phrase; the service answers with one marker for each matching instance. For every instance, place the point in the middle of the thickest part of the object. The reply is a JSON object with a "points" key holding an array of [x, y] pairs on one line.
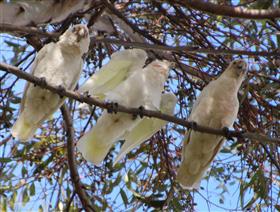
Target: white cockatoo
{"points": [[122, 64], [147, 127], [61, 65], [142, 88], [216, 107]]}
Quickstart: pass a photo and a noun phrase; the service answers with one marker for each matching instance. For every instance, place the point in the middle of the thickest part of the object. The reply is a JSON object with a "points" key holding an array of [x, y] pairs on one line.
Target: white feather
{"points": [[147, 127]]}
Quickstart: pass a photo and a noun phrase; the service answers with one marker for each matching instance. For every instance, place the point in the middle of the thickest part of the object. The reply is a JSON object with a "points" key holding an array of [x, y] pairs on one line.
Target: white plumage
{"points": [[60, 64], [142, 88], [216, 107], [118, 69], [147, 127], [121, 65]]}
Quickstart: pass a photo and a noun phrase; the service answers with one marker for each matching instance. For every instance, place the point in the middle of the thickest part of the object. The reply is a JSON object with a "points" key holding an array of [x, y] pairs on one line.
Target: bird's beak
{"points": [[81, 32], [242, 68]]}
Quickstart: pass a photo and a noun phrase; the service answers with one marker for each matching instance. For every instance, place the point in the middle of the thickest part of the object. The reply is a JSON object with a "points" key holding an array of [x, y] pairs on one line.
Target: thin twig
{"points": [[230, 11], [72, 162], [181, 49], [135, 111]]}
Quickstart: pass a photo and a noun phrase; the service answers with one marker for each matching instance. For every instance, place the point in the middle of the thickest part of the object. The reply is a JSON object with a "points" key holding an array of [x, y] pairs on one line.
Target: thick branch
{"points": [[135, 111], [224, 10], [72, 162]]}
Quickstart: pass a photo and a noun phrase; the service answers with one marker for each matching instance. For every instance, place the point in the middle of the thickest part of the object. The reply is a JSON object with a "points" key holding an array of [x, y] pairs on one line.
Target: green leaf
{"points": [[25, 196], [32, 190], [13, 200], [124, 197], [23, 171], [5, 160]]}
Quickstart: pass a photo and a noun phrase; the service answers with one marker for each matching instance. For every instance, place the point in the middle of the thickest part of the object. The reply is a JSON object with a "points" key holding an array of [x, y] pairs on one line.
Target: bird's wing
{"points": [[39, 57], [121, 65], [147, 127], [108, 76]]}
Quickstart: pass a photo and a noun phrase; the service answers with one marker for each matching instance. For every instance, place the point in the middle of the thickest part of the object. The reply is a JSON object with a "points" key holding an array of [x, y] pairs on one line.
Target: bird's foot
{"points": [[112, 107], [61, 91], [227, 133], [115, 107], [86, 94], [193, 125], [42, 82], [141, 111]]}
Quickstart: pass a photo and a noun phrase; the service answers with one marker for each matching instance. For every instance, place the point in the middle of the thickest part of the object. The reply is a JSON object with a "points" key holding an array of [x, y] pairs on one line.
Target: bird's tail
{"points": [[23, 130], [92, 148], [188, 179], [197, 160]]}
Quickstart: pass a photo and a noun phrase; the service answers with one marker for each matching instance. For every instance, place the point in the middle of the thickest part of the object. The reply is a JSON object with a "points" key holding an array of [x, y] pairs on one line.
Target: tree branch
{"points": [[72, 162], [148, 46], [224, 10], [23, 30], [135, 111], [134, 28], [181, 49]]}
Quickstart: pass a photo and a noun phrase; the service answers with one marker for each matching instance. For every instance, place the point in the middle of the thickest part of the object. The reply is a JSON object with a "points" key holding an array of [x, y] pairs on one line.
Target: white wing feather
{"points": [[121, 65], [147, 127]]}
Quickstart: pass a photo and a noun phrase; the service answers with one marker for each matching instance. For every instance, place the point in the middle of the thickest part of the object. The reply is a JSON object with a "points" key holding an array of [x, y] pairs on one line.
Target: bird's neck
{"points": [[70, 49], [233, 83]]}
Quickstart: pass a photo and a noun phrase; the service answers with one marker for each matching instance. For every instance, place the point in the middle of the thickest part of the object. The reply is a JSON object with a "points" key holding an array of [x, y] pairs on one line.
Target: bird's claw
{"points": [[227, 133], [141, 111], [87, 94], [42, 82], [193, 125], [112, 107], [61, 91]]}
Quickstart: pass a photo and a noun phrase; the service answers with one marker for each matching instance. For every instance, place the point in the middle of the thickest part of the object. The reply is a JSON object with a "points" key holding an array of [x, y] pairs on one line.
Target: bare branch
{"points": [[72, 162], [147, 46], [224, 10], [135, 111], [181, 49], [23, 31], [134, 28]]}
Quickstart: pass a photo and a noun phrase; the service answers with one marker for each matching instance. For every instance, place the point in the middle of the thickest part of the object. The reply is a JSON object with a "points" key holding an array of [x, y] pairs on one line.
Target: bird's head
{"points": [[76, 36], [161, 66], [237, 69]]}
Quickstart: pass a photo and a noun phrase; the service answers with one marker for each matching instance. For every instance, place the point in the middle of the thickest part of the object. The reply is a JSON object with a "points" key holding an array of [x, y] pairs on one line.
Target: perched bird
{"points": [[147, 127], [122, 64], [216, 107], [142, 88], [60, 64]]}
